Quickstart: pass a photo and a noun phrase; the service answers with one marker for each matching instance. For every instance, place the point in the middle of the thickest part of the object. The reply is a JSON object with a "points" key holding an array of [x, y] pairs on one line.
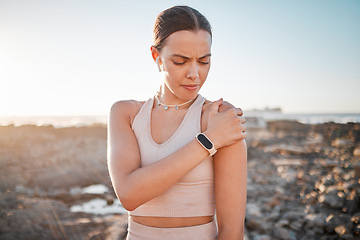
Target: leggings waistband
{"points": [[138, 231]]}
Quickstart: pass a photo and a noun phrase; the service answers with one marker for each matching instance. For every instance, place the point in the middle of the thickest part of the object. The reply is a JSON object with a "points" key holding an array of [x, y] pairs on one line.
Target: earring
{"points": [[158, 64]]}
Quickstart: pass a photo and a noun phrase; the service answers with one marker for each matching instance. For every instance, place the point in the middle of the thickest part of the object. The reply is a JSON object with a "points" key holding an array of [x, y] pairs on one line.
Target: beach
{"points": [[303, 182]]}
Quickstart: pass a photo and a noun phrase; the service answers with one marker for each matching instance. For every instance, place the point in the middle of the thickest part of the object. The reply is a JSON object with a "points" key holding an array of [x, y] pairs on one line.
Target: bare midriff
{"points": [[171, 222]]}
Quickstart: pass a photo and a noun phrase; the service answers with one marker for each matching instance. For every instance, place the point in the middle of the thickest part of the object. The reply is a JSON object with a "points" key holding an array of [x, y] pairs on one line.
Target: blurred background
{"points": [[293, 66]]}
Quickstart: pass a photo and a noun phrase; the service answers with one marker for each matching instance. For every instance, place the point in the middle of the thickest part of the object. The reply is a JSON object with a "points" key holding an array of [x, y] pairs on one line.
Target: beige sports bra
{"points": [[194, 194]]}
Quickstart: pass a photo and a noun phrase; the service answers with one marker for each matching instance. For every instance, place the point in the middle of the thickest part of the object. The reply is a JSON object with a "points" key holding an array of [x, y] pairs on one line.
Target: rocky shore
{"points": [[41, 172], [303, 182]]}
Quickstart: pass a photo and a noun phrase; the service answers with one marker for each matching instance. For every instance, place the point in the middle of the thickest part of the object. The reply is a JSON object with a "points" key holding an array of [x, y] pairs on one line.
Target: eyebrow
{"points": [[179, 55]]}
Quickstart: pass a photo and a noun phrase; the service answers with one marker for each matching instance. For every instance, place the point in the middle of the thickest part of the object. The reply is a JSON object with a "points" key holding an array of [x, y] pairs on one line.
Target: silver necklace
{"points": [[166, 107]]}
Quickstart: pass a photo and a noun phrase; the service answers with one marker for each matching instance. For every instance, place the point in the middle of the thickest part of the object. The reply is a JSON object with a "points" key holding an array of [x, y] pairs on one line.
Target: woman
{"points": [[172, 157]]}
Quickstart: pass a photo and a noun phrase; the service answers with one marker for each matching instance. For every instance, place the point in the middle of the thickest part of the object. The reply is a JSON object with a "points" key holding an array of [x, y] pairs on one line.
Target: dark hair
{"points": [[175, 19]]}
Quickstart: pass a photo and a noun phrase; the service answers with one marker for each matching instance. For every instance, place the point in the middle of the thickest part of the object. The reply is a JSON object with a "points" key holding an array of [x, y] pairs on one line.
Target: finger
{"points": [[242, 119], [237, 111], [243, 128], [215, 105], [240, 111], [244, 135]]}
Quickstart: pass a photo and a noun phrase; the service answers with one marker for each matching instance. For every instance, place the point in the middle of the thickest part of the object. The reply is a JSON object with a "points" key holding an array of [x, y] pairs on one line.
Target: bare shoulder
{"points": [[126, 109]]}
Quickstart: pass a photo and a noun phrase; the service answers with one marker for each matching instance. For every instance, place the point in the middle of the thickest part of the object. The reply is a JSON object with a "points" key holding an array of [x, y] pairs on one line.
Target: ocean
{"points": [[56, 121], [80, 121], [308, 118]]}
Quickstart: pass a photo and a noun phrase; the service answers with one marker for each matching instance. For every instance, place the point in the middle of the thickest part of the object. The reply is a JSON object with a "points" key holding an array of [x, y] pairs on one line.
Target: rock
{"points": [[97, 236], [352, 202], [273, 216], [339, 142], [253, 224], [328, 163], [350, 185], [297, 225], [281, 233], [294, 215], [35, 156], [334, 221], [35, 218], [333, 199], [253, 210], [320, 186], [4, 226], [289, 174], [12, 236], [288, 126], [314, 139], [356, 218], [118, 229], [317, 221], [289, 197], [348, 236], [309, 236], [109, 200], [261, 237], [9, 201], [340, 230], [326, 181], [356, 152], [274, 201], [22, 189], [357, 170], [288, 162], [283, 149], [338, 171], [282, 223], [357, 230], [279, 190], [255, 123]]}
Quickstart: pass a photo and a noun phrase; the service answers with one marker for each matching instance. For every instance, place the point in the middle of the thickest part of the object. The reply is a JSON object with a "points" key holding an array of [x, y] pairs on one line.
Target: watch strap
{"points": [[211, 149]]}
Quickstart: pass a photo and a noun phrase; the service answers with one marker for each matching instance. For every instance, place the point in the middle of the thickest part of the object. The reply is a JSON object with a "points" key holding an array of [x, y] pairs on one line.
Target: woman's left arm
{"points": [[230, 166]]}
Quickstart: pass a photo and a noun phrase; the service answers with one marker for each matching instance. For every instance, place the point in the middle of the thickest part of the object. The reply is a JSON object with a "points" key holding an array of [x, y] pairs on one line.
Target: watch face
{"points": [[205, 141]]}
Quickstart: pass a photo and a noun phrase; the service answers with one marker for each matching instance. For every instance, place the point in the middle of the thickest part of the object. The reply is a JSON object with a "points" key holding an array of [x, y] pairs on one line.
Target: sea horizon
{"points": [[90, 120]]}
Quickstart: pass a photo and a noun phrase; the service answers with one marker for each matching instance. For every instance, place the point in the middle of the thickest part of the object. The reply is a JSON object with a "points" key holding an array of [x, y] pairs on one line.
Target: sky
{"points": [[79, 57]]}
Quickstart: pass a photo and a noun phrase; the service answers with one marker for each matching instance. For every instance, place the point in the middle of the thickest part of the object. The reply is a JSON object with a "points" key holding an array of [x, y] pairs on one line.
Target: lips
{"points": [[191, 87]]}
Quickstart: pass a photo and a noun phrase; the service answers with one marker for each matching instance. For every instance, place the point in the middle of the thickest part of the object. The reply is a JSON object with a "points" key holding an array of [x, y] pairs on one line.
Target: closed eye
{"points": [[179, 63], [204, 60]]}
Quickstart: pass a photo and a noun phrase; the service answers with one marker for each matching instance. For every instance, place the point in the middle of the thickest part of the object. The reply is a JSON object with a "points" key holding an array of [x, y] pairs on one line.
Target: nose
{"points": [[193, 71]]}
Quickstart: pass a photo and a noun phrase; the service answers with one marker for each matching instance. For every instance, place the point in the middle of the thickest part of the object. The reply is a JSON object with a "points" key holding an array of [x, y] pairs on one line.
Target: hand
{"points": [[226, 127], [223, 108], [226, 106]]}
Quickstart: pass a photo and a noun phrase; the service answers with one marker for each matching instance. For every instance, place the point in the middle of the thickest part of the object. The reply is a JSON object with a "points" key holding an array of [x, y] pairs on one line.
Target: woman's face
{"points": [[186, 63]]}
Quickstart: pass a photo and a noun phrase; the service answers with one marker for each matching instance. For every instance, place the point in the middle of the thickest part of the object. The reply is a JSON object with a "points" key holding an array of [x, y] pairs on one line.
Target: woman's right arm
{"points": [[134, 185]]}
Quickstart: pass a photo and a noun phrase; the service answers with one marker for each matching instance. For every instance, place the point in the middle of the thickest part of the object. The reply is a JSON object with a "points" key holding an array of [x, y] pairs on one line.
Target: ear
{"points": [[154, 53]]}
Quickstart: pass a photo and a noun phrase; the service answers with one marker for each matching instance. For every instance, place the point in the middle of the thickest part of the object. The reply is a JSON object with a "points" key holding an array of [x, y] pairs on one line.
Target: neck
{"points": [[167, 97], [167, 102]]}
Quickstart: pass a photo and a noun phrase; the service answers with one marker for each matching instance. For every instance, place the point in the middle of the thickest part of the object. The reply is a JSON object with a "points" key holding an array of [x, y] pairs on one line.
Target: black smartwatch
{"points": [[206, 143]]}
